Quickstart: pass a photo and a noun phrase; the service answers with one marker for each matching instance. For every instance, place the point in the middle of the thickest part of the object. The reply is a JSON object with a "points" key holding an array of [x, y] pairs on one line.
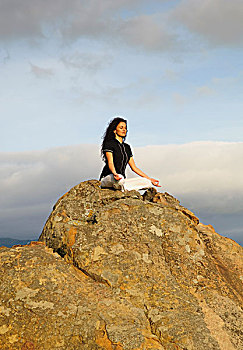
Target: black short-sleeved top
{"points": [[121, 155]]}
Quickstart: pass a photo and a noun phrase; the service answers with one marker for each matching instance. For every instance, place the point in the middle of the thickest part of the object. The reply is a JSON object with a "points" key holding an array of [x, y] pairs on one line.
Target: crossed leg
{"points": [[137, 183]]}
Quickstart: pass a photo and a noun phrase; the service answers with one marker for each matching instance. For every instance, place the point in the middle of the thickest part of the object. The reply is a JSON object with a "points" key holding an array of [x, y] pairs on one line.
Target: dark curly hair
{"points": [[109, 133]]}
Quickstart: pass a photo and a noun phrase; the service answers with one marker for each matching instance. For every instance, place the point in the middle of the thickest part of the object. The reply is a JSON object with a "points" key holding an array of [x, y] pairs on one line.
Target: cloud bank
{"points": [[218, 21], [204, 176], [136, 23]]}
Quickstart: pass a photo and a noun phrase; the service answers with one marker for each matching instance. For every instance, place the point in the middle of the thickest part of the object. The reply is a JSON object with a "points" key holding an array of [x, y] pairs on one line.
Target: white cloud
{"points": [[90, 62], [179, 99], [124, 21], [228, 81], [206, 176], [218, 21], [76, 18], [31, 182], [33, 177], [205, 91], [207, 173], [147, 32], [171, 75], [40, 72], [4, 56], [93, 19]]}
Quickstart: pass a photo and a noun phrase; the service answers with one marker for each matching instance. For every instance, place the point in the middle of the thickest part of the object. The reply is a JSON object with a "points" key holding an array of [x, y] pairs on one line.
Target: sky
{"points": [[173, 69]]}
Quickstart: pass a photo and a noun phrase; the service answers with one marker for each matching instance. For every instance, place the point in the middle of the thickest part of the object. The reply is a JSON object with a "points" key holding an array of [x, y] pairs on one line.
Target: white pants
{"points": [[136, 183]]}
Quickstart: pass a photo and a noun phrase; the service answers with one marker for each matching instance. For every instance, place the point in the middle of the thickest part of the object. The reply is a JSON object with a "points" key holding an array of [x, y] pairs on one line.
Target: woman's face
{"points": [[121, 129]]}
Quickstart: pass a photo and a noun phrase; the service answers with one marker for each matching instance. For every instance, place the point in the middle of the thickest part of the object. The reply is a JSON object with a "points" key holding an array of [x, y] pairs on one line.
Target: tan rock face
{"points": [[47, 303], [150, 276]]}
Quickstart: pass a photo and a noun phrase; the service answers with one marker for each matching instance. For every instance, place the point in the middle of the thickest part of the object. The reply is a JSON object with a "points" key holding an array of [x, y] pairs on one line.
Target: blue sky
{"points": [[174, 69]]}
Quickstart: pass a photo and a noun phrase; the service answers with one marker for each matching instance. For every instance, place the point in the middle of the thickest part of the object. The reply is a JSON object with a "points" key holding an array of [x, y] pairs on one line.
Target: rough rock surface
{"points": [[46, 303], [138, 273]]}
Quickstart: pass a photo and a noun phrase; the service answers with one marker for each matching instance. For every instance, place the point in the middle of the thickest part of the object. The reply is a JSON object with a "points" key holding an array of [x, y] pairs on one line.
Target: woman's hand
{"points": [[141, 173], [155, 182], [117, 177]]}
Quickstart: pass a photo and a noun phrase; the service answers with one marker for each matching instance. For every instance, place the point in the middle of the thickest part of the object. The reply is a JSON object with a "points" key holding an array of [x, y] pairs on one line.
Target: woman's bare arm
{"points": [[111, 166], [141, 173]]}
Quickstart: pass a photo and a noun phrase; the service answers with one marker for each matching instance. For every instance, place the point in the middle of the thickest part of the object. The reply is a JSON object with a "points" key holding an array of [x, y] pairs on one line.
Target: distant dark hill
{"points": [[9, 242]]}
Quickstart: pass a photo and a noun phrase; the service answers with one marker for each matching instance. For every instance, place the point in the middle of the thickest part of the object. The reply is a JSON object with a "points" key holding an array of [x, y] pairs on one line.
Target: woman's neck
{"points": [[119, 138]]}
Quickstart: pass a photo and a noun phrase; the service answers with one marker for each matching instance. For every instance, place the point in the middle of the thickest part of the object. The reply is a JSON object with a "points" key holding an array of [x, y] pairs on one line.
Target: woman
{"points": [[117, 154]]}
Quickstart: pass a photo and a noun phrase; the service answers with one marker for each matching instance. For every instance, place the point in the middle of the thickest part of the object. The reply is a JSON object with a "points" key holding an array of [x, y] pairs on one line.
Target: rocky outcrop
{"points": [[47, 303], [139, 272]]}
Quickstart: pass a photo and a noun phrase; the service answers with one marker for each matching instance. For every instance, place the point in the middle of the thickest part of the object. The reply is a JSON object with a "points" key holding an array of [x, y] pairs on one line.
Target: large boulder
{"points": [[150, 276], [154, 253]]}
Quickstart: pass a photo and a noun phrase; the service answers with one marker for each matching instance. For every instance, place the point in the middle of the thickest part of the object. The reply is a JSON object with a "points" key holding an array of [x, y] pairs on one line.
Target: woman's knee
{"points": [[107, 181]]}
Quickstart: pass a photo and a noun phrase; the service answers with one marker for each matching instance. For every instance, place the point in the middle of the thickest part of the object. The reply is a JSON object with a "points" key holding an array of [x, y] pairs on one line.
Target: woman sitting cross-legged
{"points": [[117, 154]]}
